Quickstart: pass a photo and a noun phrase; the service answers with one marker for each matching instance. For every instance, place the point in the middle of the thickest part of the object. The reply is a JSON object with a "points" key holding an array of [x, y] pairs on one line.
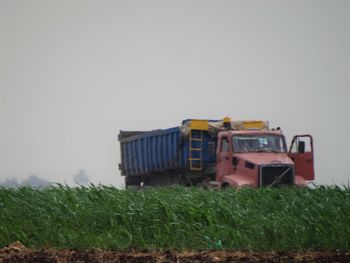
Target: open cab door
{"points": [[301, 151]]}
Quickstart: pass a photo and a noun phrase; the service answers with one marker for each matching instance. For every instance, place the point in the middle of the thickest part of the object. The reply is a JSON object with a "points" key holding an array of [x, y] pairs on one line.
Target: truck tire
{"points": [[225, 185], [132, 180]]}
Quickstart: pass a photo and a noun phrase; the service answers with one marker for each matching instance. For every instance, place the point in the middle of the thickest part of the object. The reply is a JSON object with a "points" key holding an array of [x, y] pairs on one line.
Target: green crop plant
{"points": [[176, 217]]}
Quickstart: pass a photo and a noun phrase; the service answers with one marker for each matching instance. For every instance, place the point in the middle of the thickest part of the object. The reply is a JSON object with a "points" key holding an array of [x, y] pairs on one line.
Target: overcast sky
{"points": [[73, 73]]}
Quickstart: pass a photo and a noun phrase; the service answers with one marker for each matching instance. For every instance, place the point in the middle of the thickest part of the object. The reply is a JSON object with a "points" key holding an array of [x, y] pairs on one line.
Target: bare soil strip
{"points": [[16, 252]]}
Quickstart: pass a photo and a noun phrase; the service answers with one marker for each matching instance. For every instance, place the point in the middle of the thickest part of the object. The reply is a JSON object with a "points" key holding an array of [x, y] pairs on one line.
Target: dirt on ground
{"points": [[17, 252]]}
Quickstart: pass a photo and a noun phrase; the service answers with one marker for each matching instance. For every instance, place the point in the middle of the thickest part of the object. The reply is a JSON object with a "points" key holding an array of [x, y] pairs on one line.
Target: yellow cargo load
{"points": [[254, 125], [202, 125], [213, 127]]}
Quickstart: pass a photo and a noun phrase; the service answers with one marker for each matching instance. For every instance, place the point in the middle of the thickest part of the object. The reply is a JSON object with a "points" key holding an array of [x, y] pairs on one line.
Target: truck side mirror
{"points": [[301, 147]]}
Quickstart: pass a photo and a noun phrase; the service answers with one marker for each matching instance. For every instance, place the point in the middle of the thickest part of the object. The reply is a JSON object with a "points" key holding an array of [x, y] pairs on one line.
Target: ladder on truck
{"points": [[197, 128], [196, 146]]}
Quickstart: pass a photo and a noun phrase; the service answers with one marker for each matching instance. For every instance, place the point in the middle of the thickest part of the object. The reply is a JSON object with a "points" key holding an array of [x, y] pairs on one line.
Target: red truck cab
{"points": [[258, 158]]}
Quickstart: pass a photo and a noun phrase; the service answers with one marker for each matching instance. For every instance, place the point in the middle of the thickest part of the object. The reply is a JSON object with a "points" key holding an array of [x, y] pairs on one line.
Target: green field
{"points": [[182, 218]]}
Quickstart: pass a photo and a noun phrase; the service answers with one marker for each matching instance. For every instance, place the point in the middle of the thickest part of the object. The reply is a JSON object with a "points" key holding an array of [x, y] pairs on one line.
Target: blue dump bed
{"points": [[145, 153]]}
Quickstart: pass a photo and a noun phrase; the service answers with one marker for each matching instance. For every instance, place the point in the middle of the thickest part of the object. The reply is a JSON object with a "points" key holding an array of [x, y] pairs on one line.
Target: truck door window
{"points": [[224, 145], [301, 145]]}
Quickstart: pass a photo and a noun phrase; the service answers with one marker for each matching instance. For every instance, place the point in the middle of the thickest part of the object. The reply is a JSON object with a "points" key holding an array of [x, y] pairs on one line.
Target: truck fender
{"points": [[300, 181]]}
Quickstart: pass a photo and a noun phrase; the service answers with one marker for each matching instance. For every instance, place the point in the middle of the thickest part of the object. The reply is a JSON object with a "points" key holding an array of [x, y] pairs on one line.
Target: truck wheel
{"points": [[132, 180], [224, 186]]}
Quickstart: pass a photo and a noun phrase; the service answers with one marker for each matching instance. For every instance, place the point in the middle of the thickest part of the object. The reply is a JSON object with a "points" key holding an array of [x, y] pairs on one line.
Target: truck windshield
{"points": [[259, 143]]}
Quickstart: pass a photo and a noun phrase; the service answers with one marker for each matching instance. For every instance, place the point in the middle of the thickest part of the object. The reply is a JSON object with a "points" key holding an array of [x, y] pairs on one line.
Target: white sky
{"points": [[73, 73]]}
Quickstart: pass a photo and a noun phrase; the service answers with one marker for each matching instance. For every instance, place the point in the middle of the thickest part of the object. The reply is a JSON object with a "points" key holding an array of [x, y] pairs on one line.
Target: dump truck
{"points": [[221, 153]]}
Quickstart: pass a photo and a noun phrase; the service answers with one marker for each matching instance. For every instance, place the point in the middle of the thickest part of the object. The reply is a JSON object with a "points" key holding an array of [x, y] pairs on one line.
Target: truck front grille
{"points": [[276, 175]]}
